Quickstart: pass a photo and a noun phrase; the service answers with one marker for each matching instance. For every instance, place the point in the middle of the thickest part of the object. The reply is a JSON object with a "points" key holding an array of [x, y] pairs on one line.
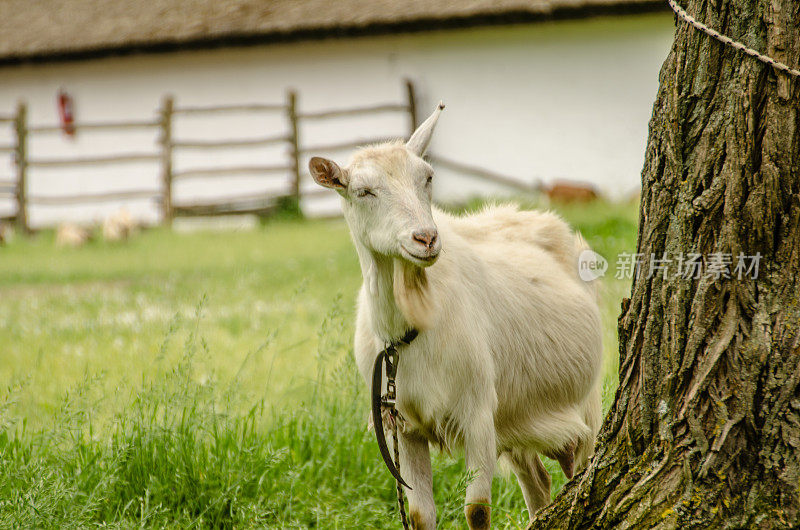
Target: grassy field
{"points": [[206, 380]]}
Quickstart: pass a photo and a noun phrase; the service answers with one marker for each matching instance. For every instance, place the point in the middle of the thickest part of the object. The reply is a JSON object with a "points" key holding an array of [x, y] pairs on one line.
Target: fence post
{"points": [[295, 144], [166, 111], [21, 163], [412, 105]]}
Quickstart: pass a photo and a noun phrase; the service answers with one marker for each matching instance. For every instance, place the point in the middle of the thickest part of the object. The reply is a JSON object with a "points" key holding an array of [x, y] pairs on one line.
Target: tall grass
{"points": [[180, 455], [193, 435]]}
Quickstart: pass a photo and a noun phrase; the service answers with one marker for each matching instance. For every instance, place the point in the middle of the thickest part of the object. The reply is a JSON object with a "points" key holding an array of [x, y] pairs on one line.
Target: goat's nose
{"points": [[426, 237]]}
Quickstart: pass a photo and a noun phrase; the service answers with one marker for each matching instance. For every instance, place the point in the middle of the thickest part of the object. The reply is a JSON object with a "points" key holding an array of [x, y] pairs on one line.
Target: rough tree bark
{"points": [[705, 427]]}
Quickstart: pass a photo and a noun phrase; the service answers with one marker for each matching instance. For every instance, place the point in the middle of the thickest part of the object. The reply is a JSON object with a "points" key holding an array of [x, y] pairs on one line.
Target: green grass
{"points": [[206, 380], [107, 307]]}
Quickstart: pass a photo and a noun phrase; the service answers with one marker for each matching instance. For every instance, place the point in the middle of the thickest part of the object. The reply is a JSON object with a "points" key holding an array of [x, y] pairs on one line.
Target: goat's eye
{"points": [[430, 179], [365, 192]]}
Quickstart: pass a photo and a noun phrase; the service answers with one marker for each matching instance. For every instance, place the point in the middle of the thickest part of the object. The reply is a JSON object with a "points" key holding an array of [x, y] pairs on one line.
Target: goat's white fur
{"points": [[509, 351]]}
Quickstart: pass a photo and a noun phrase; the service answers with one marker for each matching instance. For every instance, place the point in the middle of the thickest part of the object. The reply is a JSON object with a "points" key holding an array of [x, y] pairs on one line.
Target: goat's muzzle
{"points": [[423, 248]]}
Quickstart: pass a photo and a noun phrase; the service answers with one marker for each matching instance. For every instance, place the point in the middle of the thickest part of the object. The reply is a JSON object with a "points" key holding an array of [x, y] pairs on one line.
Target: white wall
{"points": [[562, 100]]}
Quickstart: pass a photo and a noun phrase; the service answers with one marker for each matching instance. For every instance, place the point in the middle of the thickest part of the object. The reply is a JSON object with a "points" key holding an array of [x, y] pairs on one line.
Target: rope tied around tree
{"points": [[730, 42]]}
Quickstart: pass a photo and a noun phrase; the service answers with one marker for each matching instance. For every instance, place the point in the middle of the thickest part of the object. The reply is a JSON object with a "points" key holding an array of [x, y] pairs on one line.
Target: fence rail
{"points": [[263, 203], [166, 146], [485, 174], [96, 160], [230, 171], [95, 126], [93, 197], [345, 145], [226, 144], [327, 114], [212, 109]]}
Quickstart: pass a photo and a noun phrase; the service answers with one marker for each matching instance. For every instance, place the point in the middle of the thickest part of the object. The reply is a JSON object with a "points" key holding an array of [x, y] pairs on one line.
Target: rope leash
{"points": [[389, 402], [730, 42], [388, 359], [400, 501]]}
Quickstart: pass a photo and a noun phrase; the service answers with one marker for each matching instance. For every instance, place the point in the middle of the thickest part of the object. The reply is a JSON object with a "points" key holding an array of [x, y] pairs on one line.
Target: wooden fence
{"points": [[16, 186]]}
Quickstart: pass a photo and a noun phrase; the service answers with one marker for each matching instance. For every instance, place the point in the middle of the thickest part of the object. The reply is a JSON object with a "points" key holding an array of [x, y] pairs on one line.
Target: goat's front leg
{"points": [[415, 466], [481, 452]]}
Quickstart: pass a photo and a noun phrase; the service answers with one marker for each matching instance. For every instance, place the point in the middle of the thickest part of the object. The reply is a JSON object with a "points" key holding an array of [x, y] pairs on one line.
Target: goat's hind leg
{"points": [[533, 478], [563, 435]]}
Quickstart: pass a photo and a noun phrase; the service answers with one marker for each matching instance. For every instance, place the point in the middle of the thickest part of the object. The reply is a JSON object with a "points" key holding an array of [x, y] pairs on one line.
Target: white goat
{"points": [[72, 235], [509, 348], [118, 226]]}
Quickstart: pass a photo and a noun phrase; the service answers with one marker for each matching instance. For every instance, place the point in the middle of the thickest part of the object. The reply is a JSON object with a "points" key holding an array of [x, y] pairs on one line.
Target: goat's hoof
{"points": [[479, 515], [419, 522]]}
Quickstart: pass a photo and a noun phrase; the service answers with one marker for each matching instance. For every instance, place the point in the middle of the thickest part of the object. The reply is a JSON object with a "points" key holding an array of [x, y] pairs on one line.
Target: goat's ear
{"points": [[419, 141], [327, 173]]}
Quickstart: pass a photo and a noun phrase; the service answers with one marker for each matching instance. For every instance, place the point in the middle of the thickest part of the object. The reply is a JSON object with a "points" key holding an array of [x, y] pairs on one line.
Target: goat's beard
{"points": [[412, 294]]}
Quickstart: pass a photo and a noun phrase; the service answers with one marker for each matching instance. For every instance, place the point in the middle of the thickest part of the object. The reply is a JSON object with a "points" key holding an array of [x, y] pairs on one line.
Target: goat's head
{"points": [[386, 191]]}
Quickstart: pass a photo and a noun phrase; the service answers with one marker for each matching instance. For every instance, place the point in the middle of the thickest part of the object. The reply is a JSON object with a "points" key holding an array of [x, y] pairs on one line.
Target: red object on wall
{"points": [[66, 112]]}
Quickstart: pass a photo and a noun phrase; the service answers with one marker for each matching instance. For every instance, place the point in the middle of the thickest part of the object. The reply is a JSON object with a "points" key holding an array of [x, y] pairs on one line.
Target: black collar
{"points": [[404, 340]]}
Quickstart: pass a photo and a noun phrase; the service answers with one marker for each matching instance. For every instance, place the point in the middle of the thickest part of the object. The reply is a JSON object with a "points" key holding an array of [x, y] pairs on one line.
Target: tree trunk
{"points": [[705, 426]]}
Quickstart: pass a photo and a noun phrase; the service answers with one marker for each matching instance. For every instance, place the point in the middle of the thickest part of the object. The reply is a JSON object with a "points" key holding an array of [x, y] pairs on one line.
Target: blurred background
{"points": [[177, 298], [536, 91]]}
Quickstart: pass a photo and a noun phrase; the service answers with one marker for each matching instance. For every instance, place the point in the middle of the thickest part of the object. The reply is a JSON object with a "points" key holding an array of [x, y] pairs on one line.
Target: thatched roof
{"points": [[47, 29]]}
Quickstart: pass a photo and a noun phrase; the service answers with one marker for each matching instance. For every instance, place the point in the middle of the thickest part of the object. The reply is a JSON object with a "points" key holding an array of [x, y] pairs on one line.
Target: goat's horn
{"points": [[419, 141]]}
